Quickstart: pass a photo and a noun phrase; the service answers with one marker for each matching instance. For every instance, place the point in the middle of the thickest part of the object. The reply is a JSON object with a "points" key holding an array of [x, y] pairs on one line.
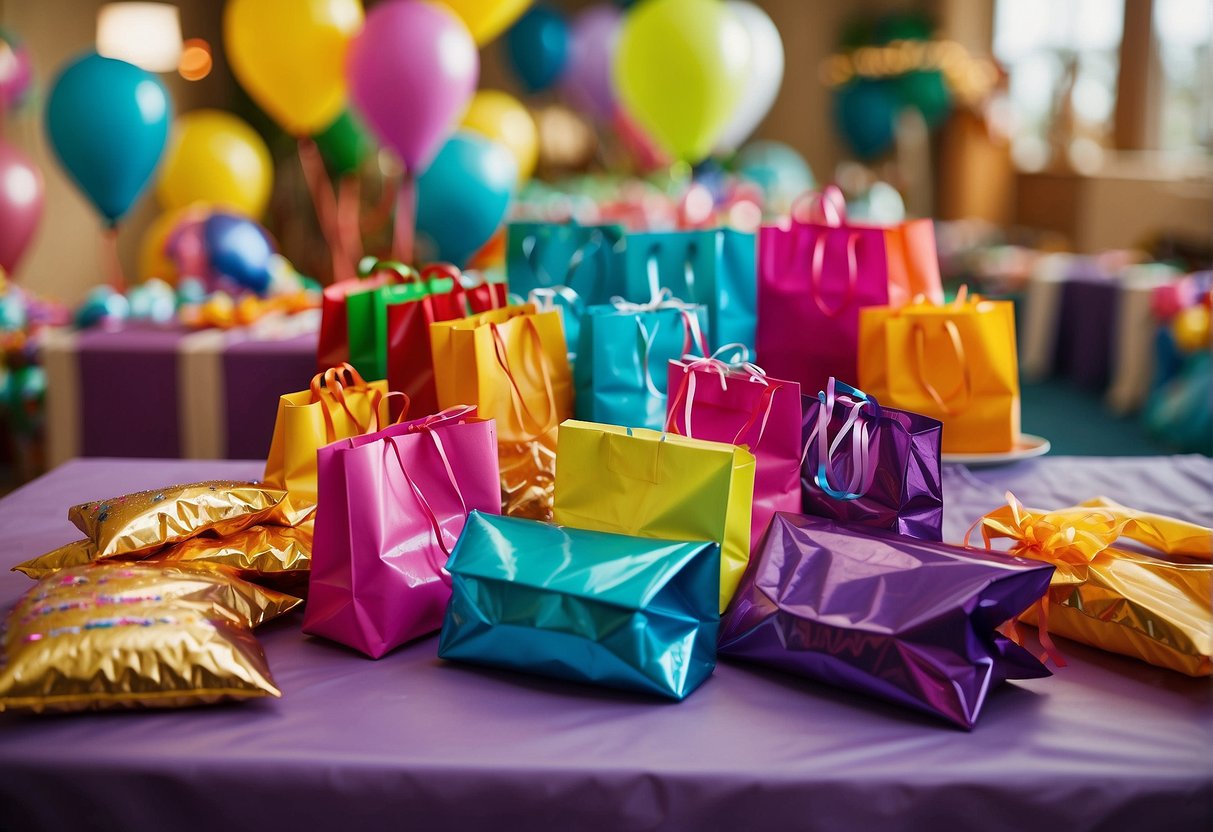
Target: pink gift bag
{"points": [[739, 404], [813, 277], [390, 506]]}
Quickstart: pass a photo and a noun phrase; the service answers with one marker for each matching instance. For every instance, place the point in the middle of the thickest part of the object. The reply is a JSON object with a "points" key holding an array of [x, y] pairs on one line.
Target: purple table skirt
{"points": [[412, 742]]}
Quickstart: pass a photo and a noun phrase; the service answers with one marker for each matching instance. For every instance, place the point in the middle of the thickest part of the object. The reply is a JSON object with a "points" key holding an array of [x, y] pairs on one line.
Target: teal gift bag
{"points": [[621, 377], [715, 267], [606, 609], [544, 255]]}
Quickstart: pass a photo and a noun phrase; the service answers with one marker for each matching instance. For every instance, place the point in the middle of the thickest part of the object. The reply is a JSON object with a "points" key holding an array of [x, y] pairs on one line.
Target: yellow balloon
{"points": [[216, 157], [153, 257], [501, 117], [290, 57], [486, 19], [1191, 328], [680, 69]]}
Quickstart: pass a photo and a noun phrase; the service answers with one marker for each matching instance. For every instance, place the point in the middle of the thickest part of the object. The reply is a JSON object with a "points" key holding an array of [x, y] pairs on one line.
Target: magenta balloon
{"points": [[20, 204], [411, 71], [587, 79], [15, 71]]}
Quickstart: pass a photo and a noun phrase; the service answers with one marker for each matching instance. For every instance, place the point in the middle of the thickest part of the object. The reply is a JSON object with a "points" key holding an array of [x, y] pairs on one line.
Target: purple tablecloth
{"points": [[412, 742]]}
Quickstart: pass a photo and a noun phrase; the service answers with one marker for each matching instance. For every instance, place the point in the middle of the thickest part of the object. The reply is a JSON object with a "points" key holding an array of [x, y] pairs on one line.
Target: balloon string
{"points": [[349, 195], [406, 218], [381, 214], [325, 205], [109, 247]]}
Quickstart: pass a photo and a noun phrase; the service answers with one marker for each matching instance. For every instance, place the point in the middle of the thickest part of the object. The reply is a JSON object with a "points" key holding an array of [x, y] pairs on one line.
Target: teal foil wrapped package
{"points": [[606, 609]]}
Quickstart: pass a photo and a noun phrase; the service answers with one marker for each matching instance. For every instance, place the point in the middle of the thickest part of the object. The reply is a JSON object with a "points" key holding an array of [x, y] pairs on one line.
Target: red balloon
{"points": [[20, 204]]}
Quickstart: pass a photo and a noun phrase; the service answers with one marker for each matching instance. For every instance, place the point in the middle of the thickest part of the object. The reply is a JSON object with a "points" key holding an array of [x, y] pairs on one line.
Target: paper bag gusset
{"points": [[1154, 607]]}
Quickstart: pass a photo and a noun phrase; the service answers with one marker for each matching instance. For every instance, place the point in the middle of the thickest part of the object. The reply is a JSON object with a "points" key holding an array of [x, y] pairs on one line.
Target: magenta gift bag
{"points": [[864, 463], [390, 506], [813, 277], [739, 404]]}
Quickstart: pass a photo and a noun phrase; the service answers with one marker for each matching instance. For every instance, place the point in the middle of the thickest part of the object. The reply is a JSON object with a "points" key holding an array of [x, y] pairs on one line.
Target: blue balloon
{"points": [[463, 196], [865, 112], [108, 122], [538, 46], [103, 305], [240, 250], [780, 171]]}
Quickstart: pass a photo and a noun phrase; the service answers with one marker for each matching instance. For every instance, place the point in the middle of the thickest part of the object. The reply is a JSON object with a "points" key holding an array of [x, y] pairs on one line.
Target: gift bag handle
{"points": [[686, 391], [964, 389], [530, 252], [818, 266], [520, 406], [426, 509], [825, 207], [653, 272], [334, 381], [404, 273], [863, 467]]}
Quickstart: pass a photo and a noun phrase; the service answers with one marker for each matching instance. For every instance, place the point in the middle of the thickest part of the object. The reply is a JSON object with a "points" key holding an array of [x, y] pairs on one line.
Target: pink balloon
{"points": [[412, 70], [20, 204], [15, 71], [587, 78]]}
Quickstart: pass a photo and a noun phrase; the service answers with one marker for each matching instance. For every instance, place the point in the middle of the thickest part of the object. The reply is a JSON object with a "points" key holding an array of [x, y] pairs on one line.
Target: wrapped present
{"points": [[392, 504], [512, 365], [166, 392], [650, 484], [740, 404], [120, 635], [607, 609], [908, 621], [955, 363], [813, 278], [544, 255], [713, 267], [621, 377], [864, 463], [338, 405], [1154, 607]]}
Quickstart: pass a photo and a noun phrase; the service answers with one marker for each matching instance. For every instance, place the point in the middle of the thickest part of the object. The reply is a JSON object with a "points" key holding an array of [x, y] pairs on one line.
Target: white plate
{"points": [[1026, 447]]}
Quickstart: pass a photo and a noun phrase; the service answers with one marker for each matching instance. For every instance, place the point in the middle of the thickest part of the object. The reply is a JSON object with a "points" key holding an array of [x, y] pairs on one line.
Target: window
{"points": [[1183, 29]]}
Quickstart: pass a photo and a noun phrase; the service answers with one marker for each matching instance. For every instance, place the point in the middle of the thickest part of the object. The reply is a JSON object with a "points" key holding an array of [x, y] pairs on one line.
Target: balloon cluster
{"points": [[678, 79], [23, 317]]}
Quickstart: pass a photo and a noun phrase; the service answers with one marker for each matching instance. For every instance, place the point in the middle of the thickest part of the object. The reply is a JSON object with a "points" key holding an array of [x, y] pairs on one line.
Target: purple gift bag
{"points": [[390, 506], [741, 405], [864, 463], [876, 613]]}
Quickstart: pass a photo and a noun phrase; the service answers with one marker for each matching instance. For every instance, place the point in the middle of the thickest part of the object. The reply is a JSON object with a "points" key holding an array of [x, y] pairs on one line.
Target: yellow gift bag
{"points": [[660, 485], [338, 405], [513, 365], [1154, 607], [955, 363]]}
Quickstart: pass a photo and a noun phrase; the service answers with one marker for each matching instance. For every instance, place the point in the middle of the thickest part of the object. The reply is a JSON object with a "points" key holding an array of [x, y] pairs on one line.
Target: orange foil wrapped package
{"points": [[145, 521], [528, 477], [1155, 607], [118, 635]]}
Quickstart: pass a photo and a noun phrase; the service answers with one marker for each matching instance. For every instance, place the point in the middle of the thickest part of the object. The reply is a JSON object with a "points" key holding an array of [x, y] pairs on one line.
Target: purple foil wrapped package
{"points": [[909, 621], [864, 463]]}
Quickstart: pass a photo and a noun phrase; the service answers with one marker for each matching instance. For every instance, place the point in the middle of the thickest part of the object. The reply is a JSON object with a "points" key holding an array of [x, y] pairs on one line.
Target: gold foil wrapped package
{"points": [[76, 553], [1157, 608], [145, 521], [118, 635], [528, 477]]}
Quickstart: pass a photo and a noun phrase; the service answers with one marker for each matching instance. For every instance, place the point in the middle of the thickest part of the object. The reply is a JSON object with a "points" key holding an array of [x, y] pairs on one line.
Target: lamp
{"points": [[147, 35]]}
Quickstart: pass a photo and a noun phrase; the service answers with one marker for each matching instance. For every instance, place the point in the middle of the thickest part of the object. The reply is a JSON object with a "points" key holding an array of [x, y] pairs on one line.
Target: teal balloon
{"points": [[108, 122], [344, 144], [865, 113], [538, 46], [775, 167], [463, 196], [927, 92]]}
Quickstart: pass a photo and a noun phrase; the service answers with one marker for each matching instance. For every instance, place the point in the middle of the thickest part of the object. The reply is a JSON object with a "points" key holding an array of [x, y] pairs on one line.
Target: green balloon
{"points": [[344, 144], [927, 92], [903, 27]]}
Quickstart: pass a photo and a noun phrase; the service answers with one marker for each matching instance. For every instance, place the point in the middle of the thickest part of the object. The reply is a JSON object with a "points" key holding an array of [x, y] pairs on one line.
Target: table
{"points": [[171, 392], [412, 742]]}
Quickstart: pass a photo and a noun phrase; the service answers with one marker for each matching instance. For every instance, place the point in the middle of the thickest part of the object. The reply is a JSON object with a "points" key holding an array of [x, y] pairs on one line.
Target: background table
{"points": [[412, 742]]}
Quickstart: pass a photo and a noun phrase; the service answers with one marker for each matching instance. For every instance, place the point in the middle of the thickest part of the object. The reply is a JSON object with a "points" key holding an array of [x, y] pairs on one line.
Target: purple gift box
{"points": [[909, 621]]}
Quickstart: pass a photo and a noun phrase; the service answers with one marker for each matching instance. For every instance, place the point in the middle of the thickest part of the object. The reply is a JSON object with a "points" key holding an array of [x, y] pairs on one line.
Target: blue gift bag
{"points": [[607, 609], [715, 267], [621, 378], [544, 255]]}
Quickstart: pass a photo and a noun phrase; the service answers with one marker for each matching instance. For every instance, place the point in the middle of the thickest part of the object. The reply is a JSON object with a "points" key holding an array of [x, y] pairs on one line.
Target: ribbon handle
{"points": [[751, 374], [964, 389], [521, 410], [863, 466], [335, 381], [424, 504]]}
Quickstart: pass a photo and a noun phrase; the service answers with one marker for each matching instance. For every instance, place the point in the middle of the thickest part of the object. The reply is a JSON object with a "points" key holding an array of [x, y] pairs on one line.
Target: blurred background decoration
{"points": [[214, 163]]}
